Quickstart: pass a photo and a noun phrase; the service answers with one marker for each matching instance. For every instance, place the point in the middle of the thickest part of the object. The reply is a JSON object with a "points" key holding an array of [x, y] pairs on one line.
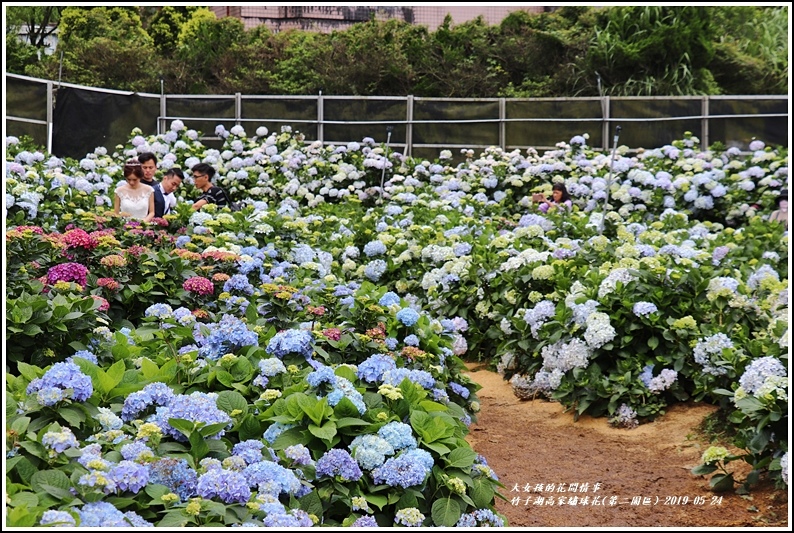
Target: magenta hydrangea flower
{"points": [[199, 285], [67, 272]]}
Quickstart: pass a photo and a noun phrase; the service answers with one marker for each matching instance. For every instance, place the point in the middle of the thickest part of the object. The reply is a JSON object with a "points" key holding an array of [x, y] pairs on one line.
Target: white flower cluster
{"points": [[763, 375], [663, 381], [524, 258], [707, 349], [599, 330], [609, 283], [565, 356]]}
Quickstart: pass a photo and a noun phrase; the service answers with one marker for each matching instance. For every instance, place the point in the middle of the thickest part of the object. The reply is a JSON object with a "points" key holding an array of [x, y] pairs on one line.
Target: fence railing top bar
{"points": [[28, 78], [348, 97], [101, 90], [557, 99], [286, 96], [749, 97], [202, 96]]}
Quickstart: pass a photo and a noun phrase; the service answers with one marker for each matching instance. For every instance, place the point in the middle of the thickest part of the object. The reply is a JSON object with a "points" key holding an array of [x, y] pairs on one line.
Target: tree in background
{"points": [[165, 24], [37, 22], [650, 50], [204, 44], [539, 51], [573, 51], [751, 50], [102, 47]]}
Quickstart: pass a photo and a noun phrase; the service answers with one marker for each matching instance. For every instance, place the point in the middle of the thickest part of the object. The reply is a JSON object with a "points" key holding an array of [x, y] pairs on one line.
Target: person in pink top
{"points": [[559, 196]]}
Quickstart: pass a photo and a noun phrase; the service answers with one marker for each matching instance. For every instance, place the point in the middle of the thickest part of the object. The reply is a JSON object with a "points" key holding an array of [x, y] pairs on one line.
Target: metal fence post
{"points": [[502, 124], [238, 107], [604, 113], [161, 124], [704, 110], [409, 124], [50, 104], [320, 113]]}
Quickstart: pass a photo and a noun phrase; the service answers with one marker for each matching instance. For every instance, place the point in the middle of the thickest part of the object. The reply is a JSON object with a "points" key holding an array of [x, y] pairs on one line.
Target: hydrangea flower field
{"points": [[300, 362]]}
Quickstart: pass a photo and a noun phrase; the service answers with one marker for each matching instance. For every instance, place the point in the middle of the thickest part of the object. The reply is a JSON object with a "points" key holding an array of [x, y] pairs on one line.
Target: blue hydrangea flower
{"points": [[375, 269], [365, 521], [338, 463], [128, 475], [226, 485], [370, 450], [84, 354], [373, 368], [226, 336], [57, 519], [398, 434], [153, 394], [271, 478], [67, 378], [299, 455], [104, 514], [421, 377], [374, 248], [108, 419], [240, 283], [407, 316], [289, 341], [409, 469], [323, 374], [195, 407], [389, 299], [411, 340], [161, 311], [136, 451], [250, 450], [276, 429]]}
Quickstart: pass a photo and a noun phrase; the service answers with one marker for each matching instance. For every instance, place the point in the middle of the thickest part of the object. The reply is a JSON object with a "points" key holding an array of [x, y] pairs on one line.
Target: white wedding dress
{"points": [[138, 205]]}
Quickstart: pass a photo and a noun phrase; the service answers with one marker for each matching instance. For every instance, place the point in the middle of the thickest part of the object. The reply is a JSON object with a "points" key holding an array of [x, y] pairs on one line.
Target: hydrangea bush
{"points": [[300, 362]]}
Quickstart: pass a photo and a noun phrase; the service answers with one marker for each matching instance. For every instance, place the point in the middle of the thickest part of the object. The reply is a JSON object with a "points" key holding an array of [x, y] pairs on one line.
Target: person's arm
{"points": [[150, 215], [198, 204], [544, 206]]}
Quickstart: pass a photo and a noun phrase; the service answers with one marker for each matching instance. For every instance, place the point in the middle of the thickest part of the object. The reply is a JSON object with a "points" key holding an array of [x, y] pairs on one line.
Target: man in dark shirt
{"points": [[149, 166], [202, 176], [164, 199]]}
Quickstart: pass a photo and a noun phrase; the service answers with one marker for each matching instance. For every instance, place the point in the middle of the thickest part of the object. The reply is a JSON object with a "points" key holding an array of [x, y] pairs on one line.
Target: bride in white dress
{"points": [[134, 199]]}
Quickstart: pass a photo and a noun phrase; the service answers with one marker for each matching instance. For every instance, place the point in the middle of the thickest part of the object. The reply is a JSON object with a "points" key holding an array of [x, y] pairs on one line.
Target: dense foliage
{"points": [[628, 50], [298, 362]]}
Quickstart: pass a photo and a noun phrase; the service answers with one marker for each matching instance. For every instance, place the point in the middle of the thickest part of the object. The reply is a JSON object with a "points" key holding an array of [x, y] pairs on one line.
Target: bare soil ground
{"points": [[646, 469]]}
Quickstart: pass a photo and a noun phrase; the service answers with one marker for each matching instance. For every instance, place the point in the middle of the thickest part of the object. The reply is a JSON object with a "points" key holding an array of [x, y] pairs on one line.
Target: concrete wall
{"points": [[330, 18]]}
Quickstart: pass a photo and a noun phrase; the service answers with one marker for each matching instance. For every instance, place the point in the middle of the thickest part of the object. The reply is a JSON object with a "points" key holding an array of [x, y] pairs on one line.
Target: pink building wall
{"points": [[328, 18]]}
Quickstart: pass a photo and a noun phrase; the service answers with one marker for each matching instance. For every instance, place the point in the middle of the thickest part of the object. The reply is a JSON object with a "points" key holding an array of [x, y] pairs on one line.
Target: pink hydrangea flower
{"points": [[104, 305], [78, 238], [199, 285]]}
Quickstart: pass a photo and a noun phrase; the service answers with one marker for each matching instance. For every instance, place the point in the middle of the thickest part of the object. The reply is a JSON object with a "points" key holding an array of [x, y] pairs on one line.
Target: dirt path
{"points": [[535, 442]]}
